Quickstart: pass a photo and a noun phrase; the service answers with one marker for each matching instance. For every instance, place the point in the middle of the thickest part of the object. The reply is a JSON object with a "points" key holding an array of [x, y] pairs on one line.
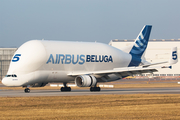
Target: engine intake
{"points": [[85, 81]]}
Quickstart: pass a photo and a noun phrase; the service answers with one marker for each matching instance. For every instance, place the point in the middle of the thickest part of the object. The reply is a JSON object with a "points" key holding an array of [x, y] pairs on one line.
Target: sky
{"points": [[86, 20]]}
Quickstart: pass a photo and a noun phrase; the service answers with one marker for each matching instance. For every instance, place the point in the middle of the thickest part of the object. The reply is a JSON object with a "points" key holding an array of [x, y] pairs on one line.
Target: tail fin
{"points": [[141, 42], [138, 48]]}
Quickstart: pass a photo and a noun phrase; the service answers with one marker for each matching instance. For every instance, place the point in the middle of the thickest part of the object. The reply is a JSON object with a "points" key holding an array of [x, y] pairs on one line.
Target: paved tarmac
{"points": [[1, 85], [76, 92]]}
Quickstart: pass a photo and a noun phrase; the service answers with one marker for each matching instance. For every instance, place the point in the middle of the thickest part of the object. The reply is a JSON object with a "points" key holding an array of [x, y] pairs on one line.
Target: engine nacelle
{"points": [[85, 81]]}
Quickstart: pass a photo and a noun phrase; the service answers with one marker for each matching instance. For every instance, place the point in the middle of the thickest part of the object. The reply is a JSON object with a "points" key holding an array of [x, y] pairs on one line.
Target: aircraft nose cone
{"points": [[5, 81], [10, 82], [2, 81]]}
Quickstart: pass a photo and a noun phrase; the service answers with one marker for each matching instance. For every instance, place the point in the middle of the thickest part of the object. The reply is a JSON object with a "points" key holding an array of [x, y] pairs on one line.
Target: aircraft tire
{"points": [[69, 88], [65, 89], [27, 90], [95, 89]]}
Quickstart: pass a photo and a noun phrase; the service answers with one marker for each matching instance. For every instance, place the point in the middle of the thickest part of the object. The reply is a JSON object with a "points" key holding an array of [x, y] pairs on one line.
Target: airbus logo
{"points": [[77, 59]]}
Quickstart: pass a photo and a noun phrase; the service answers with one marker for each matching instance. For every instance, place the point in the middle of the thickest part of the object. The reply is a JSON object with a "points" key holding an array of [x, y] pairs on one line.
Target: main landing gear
{"points": [[65, 88], [94, 89]]}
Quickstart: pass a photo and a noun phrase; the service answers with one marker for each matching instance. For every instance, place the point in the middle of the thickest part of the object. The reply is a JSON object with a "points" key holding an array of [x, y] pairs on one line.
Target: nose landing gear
{"points": [[27, 90]]}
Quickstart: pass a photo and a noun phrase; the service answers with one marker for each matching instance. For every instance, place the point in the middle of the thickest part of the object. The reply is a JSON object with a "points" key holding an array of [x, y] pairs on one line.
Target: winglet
{"points": [[174, 56]]}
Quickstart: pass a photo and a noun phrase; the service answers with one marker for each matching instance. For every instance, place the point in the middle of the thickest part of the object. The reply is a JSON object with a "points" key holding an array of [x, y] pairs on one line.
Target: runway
{"points": [[76, 92]]}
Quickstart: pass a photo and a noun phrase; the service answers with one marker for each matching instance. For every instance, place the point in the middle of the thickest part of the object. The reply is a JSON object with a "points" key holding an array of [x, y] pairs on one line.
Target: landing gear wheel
{"points": [[65, 89], [27, 90], [93, 89]]}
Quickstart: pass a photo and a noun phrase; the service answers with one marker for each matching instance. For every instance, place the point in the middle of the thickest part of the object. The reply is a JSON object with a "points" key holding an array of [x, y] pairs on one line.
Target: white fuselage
{"points": [[51, 61]]}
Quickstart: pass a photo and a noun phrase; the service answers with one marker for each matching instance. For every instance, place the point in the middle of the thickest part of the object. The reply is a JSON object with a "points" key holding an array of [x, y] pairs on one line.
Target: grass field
{"points": [[104, 107], [140, 106]]}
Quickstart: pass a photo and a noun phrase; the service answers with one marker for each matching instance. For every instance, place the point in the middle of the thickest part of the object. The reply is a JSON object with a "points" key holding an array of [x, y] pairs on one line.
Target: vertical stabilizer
{"points": [[141, 42], [139, 46]]}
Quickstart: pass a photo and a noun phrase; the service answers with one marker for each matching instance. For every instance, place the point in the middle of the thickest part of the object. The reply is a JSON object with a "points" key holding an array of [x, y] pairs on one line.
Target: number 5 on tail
{"points": [[174, 57]]}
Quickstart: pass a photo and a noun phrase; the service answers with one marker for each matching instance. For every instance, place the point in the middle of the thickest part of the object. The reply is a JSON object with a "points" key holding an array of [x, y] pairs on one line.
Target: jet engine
{"points": [[85, 81]]}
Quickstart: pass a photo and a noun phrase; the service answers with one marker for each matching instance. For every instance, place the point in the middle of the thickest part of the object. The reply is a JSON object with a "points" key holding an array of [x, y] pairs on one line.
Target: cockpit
{"points": [[10, 80], [13, 75]]}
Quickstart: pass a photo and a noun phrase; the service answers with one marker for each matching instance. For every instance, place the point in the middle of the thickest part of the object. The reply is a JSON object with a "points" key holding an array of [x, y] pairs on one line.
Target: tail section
{"points": [[141, 42], [138, 48]]}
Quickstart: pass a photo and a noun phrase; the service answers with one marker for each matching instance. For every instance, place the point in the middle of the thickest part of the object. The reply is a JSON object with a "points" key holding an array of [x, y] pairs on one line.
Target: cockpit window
{"points": [[8, 75], [14, 75]]}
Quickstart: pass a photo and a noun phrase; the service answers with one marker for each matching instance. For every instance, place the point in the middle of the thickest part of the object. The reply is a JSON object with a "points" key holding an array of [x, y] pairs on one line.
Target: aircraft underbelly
{"points": [[59, 76]]}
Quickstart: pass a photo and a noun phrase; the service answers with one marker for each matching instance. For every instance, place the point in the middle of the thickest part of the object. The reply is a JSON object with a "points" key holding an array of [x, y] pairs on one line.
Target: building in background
{"points": [[6, 55], [157, 51]]}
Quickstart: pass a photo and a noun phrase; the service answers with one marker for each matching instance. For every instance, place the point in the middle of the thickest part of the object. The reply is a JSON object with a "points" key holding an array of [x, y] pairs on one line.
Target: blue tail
{"points": [[140, 45]]}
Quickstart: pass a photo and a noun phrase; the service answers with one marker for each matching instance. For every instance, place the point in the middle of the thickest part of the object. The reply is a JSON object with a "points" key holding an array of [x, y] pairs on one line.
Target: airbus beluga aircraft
{"points": [[38, 62]]}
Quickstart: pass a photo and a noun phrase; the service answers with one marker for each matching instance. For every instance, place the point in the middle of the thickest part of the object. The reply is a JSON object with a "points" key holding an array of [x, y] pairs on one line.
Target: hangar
{"points": [[157, 51], [5, 59]]}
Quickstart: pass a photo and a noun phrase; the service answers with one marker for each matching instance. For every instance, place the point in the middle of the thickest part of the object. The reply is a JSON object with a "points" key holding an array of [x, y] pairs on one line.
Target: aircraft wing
{"points": [[130, 71], [120, 72]]}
